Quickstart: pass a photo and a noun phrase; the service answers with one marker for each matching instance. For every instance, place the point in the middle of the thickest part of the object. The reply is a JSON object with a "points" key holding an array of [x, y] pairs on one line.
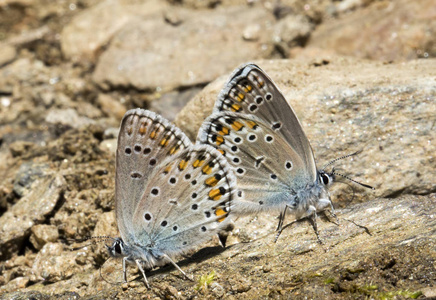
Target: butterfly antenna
{"points": [[352, 188], [99, 239], [339, 158], [355, 181]]}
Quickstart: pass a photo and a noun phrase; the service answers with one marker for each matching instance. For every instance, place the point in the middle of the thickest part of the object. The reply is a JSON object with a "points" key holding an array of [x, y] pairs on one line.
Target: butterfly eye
{"points": [[117, 247], [325, 179]]}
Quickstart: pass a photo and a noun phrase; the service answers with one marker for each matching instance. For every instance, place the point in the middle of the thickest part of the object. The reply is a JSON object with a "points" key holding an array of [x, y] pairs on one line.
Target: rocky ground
{"points": [[360, 74]]}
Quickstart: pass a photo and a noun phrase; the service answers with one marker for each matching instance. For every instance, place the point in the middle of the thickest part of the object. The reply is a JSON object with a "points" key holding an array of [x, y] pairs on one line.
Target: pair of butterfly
{"points": [[251, 156]]}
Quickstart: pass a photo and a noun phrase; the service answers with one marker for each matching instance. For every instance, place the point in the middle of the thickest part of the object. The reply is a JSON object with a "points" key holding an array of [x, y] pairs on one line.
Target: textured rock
{"points": [[7, 54], [344, 104], [350, 259], [291, 31], [111, 106], [93, 29], [347, 105], [151, 54], [42, 234], [53, 263], [384, 30], [30, 210], [67, 117]]}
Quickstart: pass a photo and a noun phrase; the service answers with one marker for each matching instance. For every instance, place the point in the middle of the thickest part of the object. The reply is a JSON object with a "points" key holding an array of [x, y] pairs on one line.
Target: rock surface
{"points": [[346, 105], [62, 98], [384, 31], [154, 54]]}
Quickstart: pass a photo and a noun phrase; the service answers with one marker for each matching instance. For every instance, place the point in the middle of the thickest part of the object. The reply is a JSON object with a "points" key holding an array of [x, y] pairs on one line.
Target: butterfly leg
{"points": [[281, 218], [124, 269], [280, 225], [324, 203], [177, 267], [312, 219], [138, 263]]}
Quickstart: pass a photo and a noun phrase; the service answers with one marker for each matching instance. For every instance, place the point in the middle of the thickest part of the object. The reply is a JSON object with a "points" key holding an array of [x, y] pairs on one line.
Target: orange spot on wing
{"points": [[211, 181], [220, 212], [224, 131], [174, 149], [206, 169], [219, 140], [198, 163], [167, 169], [251, 124], [240, 97], [237, 125], [183, 164], [235, 107], [215, 194], [164, 142]]}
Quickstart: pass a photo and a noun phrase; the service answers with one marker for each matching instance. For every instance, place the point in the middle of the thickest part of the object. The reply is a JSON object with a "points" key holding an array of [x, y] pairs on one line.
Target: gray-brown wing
{"points": [[144, 142], [185, 202], [269, 171], [250, 91]]}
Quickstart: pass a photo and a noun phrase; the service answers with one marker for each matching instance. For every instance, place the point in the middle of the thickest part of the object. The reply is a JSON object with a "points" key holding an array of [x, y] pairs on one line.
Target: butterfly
{"points": [[261, 137], [171, 195]]}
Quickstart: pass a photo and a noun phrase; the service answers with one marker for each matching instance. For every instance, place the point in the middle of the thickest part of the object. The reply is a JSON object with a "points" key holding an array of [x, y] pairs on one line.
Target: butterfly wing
{"points": [[171, 195], [186, 201], [144, 141], [269, 172], [250, 91], [263, 140]]}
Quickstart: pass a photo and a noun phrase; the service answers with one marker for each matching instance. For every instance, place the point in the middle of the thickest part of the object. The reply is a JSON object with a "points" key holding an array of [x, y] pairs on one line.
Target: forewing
{"points": [[268, 169], [144, 142], [186, 200], [250, 91]]}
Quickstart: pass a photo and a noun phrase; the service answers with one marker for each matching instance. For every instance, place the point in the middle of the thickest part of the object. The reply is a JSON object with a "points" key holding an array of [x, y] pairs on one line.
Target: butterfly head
{"points": [[117, 249], [325, 178]]}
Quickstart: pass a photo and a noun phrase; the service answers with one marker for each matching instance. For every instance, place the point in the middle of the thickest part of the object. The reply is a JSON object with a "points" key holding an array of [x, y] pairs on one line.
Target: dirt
{"points": [[59, 123]]}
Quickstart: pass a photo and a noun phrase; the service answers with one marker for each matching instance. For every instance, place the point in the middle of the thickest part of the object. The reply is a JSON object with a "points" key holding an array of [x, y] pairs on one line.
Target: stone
{"points": [[90, 31], [53, 264], [109, 145], [7, 54], [15, 284], [170, 104], [42, 234], [199, 108], [344, 109], [27, 174], [30, 210], [344, 104], [111, 106], [180, 50], [386, 31], [290, 32], [67, 117]]}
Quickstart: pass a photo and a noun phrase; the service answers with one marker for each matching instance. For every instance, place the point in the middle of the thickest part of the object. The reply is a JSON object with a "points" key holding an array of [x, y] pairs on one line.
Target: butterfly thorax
{"points": [[314, 195]]}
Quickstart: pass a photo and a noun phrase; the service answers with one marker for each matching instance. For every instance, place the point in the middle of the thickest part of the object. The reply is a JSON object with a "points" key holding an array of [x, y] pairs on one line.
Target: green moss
{"points": [[205, 280], [329, 280], [406, 293], [367, 289]]}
